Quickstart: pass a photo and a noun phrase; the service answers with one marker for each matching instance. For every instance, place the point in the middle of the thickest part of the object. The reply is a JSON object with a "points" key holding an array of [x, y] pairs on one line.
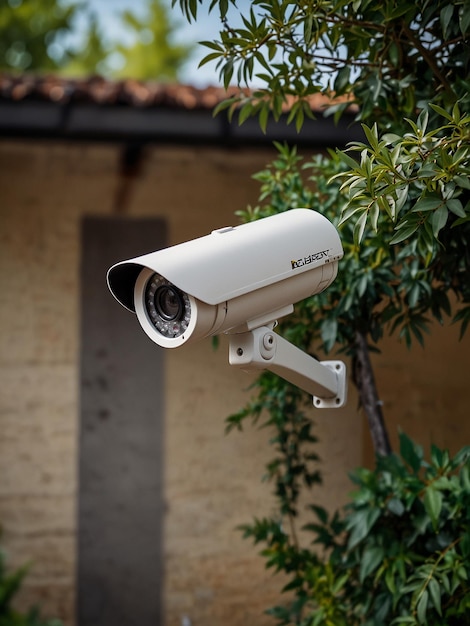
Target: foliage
{"points": [[380, 289], [392, 59], [10, 584], [388, 56], [420, 183], [153, 53], [420, 180], [399, 553], [51, 35], [32, 34]]}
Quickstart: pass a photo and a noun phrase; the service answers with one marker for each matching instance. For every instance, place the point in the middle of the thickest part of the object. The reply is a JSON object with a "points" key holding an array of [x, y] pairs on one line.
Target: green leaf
{"points": [[193, 8], [435, 592], [370, 560], [320, 512], [463, 456], [308, 23], [390, 580], [359, 228], [433, 504], [348, 160], [462, 181], [263, 118], [213, 45], [464, 19], [410, 452], [402, 196], [225, 104], [446, 17], [361, 523], [394, 54], [245, 112], [374, 215], [227, 73], [396, 506], [455, 206], [422, 607], [439, 220], [342, 78], [404, 232], [299, 119], [372, 136], [210, 57], [428, 203], [339, 583]]}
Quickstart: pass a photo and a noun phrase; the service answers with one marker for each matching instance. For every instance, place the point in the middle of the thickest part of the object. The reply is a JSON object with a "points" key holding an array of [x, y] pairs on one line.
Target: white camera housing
{"points": [[235, 280]]}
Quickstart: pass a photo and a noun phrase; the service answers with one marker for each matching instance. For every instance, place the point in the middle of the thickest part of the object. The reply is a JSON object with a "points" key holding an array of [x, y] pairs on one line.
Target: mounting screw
{"points": [[267, 346], [268, 341]]}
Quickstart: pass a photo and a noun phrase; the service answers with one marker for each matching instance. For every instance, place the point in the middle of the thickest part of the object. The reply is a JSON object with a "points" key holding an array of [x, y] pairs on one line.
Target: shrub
{"points": [[398, 554]]}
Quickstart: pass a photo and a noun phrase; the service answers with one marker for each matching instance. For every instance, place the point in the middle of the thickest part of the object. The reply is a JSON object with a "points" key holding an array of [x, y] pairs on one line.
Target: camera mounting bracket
{"points": [[263, 349]]}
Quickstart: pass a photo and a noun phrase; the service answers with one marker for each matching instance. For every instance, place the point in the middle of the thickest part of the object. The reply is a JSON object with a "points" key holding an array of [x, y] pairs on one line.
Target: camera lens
{"points": [[168, 308], [169, 303]]}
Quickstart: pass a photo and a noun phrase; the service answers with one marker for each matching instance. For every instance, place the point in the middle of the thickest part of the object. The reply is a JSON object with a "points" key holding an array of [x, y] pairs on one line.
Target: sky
{"points": [[206, 27]]}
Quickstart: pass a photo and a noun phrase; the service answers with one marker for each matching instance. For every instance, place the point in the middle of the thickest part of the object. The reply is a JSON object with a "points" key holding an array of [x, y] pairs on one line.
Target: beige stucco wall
{"points": [[425, 392], [212, 481]]}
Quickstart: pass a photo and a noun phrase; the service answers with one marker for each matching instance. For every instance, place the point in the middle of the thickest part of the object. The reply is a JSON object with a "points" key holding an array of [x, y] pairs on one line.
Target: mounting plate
{"points": [[339, 368]]}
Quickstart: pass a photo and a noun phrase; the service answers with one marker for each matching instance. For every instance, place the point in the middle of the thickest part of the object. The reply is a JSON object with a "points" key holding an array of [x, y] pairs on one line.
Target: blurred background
{"points": [[142, 39]]}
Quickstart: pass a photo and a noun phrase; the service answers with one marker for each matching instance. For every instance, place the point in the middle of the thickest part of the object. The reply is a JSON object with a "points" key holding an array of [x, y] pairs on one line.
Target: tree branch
{"points": [[427, 57], [365, 382]]}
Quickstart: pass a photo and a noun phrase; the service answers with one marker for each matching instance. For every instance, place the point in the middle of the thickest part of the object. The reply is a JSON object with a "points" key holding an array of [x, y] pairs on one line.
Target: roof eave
{"points": [[111, 122]]}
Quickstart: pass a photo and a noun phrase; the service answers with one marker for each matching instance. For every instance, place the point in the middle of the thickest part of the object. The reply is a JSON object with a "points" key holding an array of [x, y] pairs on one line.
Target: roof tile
{"points": [[98, 90]]}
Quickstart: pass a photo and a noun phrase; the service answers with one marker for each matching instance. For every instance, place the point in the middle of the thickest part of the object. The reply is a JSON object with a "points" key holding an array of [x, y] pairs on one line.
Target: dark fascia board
{"points": [[87, 121]]}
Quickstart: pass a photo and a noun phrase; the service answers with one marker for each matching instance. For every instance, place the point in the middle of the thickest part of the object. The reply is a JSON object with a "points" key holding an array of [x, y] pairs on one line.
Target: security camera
{"points": [[235, 279], [239, 281]]}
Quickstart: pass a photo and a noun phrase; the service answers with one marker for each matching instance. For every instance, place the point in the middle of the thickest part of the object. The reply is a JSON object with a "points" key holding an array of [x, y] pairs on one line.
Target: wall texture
{"points": [[212, 481]]}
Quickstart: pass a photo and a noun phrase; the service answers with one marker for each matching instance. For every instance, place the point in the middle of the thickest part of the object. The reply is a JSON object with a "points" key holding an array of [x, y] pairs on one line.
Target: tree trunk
{"points": [[365, 383]]}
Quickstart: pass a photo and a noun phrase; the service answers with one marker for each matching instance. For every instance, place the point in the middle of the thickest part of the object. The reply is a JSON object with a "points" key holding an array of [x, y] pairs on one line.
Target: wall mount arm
{"points": [[263, 349]]}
